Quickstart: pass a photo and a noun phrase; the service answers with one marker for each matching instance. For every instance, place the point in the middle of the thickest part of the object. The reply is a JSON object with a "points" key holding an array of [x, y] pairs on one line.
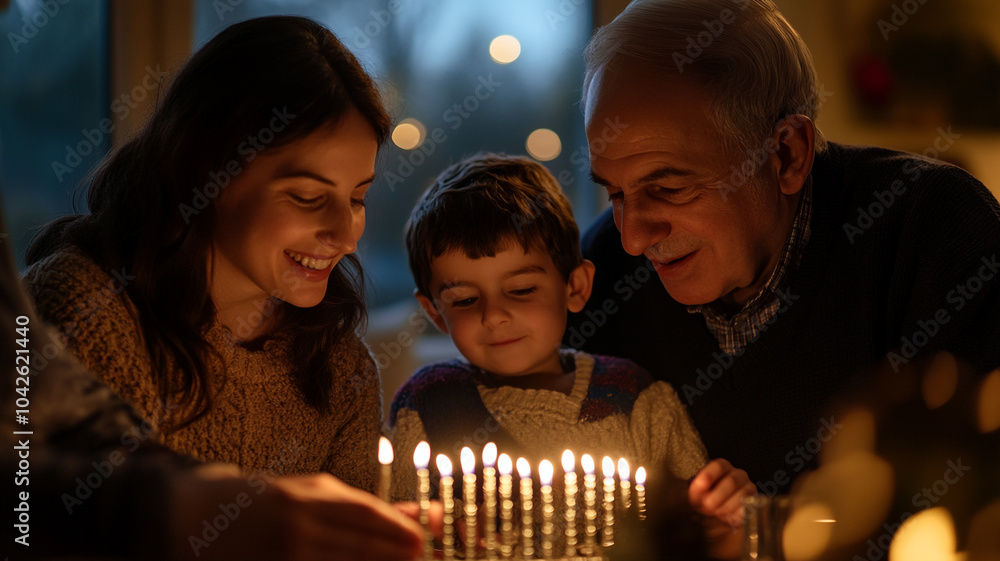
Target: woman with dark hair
{"points": [[212, 283]]}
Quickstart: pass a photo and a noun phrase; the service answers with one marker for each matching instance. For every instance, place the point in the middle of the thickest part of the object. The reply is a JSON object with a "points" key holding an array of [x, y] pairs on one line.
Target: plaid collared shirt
{"points": [[734, 333]]}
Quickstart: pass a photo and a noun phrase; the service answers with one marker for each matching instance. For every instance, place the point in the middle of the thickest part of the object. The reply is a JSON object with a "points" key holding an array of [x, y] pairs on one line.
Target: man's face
{"points": [[677, 196]]}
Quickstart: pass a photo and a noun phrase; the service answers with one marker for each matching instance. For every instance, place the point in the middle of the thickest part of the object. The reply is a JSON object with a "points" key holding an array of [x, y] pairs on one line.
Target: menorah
{"points": [[586, 523]]}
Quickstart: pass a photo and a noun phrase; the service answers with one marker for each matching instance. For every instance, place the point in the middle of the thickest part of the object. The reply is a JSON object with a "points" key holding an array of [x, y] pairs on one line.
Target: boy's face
{"points": [[506, 313]]}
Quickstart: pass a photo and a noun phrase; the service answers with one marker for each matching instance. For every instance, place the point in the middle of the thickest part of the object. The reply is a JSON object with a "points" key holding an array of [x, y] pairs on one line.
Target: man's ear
{"points": [[581, 282], [795, 137], [431, 310]]}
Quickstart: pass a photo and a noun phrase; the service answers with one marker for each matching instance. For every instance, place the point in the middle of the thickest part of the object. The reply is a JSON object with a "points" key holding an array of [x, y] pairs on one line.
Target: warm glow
{"points": [[384, 451], [523, 468], [568, 462], [444, 465], [940, 380], [545, 472], [640, 476], [505, 49], [807, 532], [468, 461], [504, 465], [928, 535], [409, 134], [608, 467], [587, 463], [543, 145], [857, 434], [489, 454], [989, 403], [623, 471], [422, 455]]}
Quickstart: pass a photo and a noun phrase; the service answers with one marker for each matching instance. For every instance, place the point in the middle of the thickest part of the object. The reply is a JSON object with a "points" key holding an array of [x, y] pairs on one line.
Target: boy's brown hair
{"points": [[484, 203]]}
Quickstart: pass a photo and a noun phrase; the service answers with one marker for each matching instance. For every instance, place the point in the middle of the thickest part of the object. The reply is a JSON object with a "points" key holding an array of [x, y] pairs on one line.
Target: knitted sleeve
{"points": [[354, 453], [663, 432], [96, 321]]}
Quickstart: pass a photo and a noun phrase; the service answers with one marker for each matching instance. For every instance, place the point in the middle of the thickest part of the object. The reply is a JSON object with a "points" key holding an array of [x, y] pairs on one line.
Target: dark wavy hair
{"points": [[140, 197], [485, 202]]}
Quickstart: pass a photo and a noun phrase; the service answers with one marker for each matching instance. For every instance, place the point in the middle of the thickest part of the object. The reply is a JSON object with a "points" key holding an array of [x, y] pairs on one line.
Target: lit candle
{"points": [[640, 491], [447, 492], [623, 475], [469, 493], [506, 507], [527, 509], [548, 510], [608, 468], [490, 497], [569, 490], [589, 503], [384, 458], [421, 458]]}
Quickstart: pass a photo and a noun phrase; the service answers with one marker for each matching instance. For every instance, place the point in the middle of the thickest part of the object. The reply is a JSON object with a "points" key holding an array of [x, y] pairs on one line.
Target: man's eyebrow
{"points": [[654, 175]]}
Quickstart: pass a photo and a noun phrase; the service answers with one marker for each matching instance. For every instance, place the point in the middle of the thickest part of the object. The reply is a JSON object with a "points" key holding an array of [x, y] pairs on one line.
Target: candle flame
{"points": [[384, 451], [588, 464], [523, 468], [468, 461], [422, 455], [444, 465], [608, 467], [568, 462], [489, 454], [623, 470], [504, 464], [545, 472], [640, 476]]}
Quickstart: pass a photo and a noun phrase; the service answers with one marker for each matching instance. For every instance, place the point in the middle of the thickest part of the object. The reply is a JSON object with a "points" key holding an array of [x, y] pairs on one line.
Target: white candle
{"points": [[608, 468], [548, 510], [506, 507], [527, 509], [490, 497], [589, 503], [421, 459], [469, 493], [626, 486], [640, 491], [384, 458], [569, 491], [447, 492]]}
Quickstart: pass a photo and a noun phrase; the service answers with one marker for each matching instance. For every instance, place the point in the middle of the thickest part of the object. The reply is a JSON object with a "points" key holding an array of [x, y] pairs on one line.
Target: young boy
{"points": [[495, 255]]}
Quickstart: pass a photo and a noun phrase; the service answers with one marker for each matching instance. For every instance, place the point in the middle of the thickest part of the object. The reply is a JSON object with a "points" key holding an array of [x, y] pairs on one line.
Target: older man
{"points": [[793, 267]]}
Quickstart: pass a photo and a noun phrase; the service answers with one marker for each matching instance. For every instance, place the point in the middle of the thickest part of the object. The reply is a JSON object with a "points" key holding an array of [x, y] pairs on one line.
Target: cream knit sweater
{"points": [[657, 434], [259, 420]]}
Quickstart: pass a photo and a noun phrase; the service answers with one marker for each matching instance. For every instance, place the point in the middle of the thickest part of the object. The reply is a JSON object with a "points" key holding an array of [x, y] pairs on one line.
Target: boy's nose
{"points": [[494, 314]]}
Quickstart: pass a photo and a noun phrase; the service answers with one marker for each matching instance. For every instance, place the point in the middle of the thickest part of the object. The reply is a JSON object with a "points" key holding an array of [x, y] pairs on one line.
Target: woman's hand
{"points": [[314, 517]]}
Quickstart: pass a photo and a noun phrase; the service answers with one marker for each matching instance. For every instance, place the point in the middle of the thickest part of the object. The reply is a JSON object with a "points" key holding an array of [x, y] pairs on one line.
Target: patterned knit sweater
{"points": [[615, 408], [259, 420]]}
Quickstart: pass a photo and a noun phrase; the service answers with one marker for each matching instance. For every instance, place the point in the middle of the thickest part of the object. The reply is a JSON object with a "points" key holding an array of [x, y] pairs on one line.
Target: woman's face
{"points": [[289, 216]]}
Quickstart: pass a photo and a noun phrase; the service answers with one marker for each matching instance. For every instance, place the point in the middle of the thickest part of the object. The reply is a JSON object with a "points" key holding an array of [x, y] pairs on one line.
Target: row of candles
{"points": [[492, 463]]}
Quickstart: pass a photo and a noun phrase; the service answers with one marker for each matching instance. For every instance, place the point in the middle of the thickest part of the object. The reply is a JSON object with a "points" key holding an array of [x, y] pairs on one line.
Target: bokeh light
{"points": [[543, 145], [928, 535], [409, 134], [505, 49], [989, 403]]}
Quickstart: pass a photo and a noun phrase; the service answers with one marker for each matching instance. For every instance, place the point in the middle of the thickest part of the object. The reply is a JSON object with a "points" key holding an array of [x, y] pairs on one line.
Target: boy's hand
{"points": [[718, 491]]}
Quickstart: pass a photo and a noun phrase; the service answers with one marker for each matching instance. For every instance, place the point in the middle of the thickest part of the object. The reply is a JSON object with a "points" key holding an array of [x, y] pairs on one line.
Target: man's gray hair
{"points": [[743, 51]]}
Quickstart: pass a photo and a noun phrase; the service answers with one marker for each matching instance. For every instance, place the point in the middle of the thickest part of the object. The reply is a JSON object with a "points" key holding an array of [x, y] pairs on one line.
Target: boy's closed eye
{"points": [[524, 291]]}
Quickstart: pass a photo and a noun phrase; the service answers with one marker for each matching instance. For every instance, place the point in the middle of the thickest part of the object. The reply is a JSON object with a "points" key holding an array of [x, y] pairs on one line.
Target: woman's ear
{"points": [[581, 282], [431, 310], [795, 138]]}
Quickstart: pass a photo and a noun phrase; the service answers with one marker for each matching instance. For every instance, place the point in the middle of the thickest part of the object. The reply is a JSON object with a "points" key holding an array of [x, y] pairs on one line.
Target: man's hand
{"points": [[717, 491]]}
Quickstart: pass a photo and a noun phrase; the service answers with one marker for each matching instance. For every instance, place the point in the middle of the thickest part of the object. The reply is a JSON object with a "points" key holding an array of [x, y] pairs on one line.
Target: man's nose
{"points": [[640, 227]]}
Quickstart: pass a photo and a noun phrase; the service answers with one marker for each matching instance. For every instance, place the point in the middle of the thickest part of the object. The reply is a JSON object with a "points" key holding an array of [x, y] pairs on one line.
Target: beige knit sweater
{"points": [[658, 434], [259, 420]]}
